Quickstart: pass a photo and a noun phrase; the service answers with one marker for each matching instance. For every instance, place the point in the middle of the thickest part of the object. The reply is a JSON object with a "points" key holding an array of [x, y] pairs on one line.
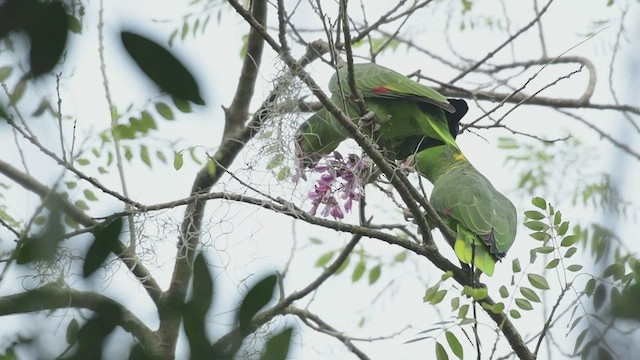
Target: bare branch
{"points": [[501, 46], [321, 326], [236, 114]]}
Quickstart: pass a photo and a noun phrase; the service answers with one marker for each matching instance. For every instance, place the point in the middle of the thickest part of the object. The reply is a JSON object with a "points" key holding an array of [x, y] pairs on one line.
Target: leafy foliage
{"points": [[163, 69]]}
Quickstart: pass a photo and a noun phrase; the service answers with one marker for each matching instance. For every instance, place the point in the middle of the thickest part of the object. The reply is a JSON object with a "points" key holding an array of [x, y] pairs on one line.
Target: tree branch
{"points": [[408, 193], [122, 252], [233, 142], [501, 46], [52, 297], [236, 114], [323, 327]]}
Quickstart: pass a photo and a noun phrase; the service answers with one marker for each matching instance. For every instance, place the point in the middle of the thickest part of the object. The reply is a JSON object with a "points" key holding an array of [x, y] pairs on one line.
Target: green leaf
{"points": [[455, 303], [343, 266], [185, 30], [536, 225], [315, 240], [178, 161], [81, 204], [4, 115], [402, 256], [164, 110], [144, 155], [147, 122], [580, 339], [570, 252], [515, 266], [431, 292], [75, 25], [72, 332], [18, 91], [277, 347], [616, 270], [160, 155], [83, 161], [543, 249], [127, 153], [524, 304], [257, 297], [563, 228], [599, 296], [446, 275], [574, 267], [5, 72], [552, 264], [504, 293], [476, 293], [539, 282], [44, 245], [89, 195], [540, 236], [438, 297], [358, 271], [441, 353], [529, 294], [283, 173], [590, 287], [534, 215], [196, 308], [162, 67], [48, 29], [575, 323], [325, 258], [275, 161], [557, 218], [539, 202], [464, 309], [569, 240], [496, 308], [105, 240], [182, 105], [515, 314], [374, 274], [454, 344]]}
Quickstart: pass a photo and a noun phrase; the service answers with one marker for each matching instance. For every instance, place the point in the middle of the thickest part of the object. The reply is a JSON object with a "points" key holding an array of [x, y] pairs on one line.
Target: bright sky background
{"points": [[248, 241]]}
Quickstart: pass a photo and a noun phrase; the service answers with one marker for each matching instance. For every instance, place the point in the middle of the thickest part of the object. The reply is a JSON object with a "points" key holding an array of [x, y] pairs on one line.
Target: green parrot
{"points": [[483, 219], [411, 116]]}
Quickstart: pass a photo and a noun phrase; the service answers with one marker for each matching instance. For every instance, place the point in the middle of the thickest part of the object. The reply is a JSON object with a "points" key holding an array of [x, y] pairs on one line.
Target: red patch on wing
{"points": [[380, 89]]}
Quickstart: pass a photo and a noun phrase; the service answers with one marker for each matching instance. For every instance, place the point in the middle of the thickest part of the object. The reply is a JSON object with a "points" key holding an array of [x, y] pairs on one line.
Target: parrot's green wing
{"points": [[399, 103], [484, 219], [375, 81]]}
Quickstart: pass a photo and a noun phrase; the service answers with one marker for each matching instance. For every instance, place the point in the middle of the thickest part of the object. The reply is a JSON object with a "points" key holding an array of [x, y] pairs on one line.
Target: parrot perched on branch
{"points": [[483, 219], [411, 116]]}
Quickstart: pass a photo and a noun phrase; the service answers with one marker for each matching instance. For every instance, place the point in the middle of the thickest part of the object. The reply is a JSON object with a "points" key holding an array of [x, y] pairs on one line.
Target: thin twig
{"points": [[501, 46]]}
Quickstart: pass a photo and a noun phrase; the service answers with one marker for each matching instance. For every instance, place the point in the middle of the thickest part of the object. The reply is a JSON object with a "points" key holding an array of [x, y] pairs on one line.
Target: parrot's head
{"points": [[453, 119], [307, 144], [432, 162], [315, 137]]}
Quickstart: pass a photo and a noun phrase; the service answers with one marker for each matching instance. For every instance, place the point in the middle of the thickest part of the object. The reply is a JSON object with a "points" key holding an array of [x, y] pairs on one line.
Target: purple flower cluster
{"points": [[340, 176]]}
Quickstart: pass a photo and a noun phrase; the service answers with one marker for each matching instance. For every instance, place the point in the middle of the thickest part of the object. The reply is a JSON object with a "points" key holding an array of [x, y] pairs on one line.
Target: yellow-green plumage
{"points": [[411, 116], [483, 218]]}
